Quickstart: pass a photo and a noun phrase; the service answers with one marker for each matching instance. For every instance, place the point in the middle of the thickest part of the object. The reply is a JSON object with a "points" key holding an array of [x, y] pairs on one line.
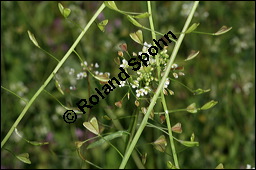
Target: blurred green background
{"points": [[226, 65]]}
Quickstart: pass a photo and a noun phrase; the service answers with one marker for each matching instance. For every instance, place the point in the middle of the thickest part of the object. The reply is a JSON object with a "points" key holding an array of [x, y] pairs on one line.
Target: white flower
{"points": [[84, 64], [96, 72], [72, 88], [175, 75], [248, 166], [122, 83], [96, 65], [71, 71], [135, 84], [107, 73], [152, 61], [81, 75], [124, 64], [174, 66], [147, 89], [167, 82], [140, 92]]}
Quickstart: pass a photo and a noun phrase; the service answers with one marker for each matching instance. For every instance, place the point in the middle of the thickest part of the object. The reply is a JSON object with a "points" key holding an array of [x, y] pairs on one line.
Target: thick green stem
{"points": [[159, 89], [24, 111]]}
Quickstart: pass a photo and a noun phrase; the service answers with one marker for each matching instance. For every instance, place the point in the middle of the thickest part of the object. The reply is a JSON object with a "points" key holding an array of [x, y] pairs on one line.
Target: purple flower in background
{"points": [[79, 133], [117, 23], [101, 16], [49, 137]]}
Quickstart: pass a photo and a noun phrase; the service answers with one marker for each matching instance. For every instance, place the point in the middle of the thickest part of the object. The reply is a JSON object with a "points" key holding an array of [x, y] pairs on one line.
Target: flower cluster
{"points": [[86, 69], [145, 79]]}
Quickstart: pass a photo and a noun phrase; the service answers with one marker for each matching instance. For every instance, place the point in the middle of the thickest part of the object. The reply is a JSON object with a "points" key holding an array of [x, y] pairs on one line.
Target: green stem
{"points": [[24, 111], [14, 94], [159, 89], [162, 94]]}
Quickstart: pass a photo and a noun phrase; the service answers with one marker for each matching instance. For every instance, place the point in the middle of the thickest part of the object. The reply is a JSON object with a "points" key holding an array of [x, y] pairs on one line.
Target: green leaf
{"points": [[102, 78], [177, 128], [79, 144], [200, 91], [189, 143], [134, 22], [192, 55], [170, 165], [192, 27], [106, 138], [92, 126], [223, 30], [220, 166], [24, 157], [33, 39], [66, 12], [35, 143], [209, 105], [102, 25], [160, 144], [107, 117], [31, 142], [144, 158], [58, 86], [144, 15], [61, 8], [137, 37], [111, 5], [192, 108], [192, 138]]}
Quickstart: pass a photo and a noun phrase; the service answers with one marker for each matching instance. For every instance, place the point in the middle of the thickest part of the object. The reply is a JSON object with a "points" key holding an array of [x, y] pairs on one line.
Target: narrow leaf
{"points": [[209, 105], [223, 30], [188, 143], [33, 39], [35, 143], [106, 138], [107, 117], [170, 165], [61, 8], [144, 158], [192, 138], [24, 157], [192, 27], [58, 86], [192, 55], [133, 21], [92, 126], [102, 25], [200, 91], [144, 15], [111, 5]]}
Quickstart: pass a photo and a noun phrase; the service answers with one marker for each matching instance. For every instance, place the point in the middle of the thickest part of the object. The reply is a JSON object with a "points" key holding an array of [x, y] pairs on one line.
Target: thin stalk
{"points": [[159, 89], [24, 111], [14, 94], [176, 162]]}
